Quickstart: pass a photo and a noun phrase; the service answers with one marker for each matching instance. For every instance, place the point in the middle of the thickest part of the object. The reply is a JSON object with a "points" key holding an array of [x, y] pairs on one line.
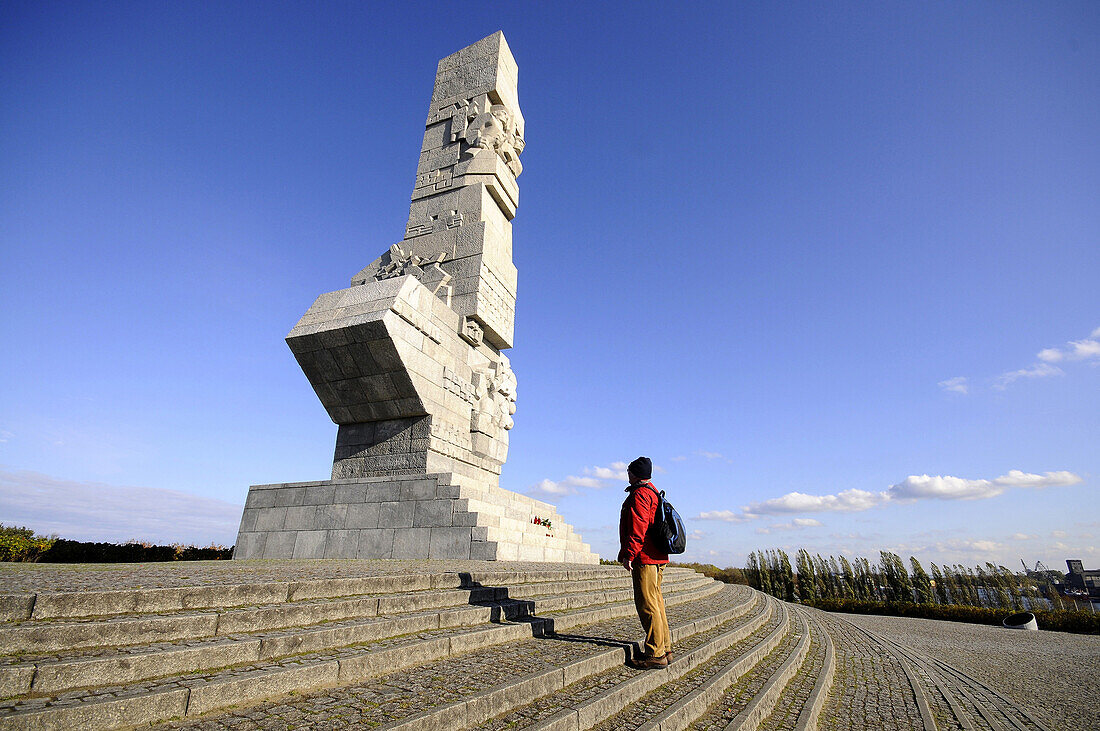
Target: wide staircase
{"points": [[532, 647]]}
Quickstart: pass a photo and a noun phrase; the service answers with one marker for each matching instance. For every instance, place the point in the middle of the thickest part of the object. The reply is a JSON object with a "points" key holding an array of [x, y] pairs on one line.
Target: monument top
{"points": [[485, 66]]}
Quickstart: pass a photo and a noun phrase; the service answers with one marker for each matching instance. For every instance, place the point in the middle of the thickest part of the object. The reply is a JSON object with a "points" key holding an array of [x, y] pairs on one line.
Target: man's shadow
{"points": [[503, 608]]}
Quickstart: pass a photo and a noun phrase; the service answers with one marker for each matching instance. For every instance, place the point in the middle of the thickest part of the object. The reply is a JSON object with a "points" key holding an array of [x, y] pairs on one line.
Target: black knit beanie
{"points": [[642, 468]]}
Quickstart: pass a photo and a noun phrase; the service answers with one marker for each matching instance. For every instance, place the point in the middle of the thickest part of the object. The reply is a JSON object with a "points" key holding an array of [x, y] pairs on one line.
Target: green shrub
{"points": [[726, 575], [1079, 622], [21, 544]]}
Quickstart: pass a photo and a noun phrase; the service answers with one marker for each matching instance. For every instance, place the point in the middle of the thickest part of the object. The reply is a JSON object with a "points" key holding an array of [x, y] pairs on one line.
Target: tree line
{"points": [[813, 579]]}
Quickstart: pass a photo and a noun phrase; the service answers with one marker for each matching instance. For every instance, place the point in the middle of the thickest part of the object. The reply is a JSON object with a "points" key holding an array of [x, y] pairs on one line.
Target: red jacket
{"points": [[635, 541]]}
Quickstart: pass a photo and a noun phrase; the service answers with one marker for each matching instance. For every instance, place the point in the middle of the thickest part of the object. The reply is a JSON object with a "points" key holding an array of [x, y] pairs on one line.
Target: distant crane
{"points": [[1040, 567]]}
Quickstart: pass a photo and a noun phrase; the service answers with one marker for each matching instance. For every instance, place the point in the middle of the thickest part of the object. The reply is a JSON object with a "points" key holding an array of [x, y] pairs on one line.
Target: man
{"points": [[645, 559]]}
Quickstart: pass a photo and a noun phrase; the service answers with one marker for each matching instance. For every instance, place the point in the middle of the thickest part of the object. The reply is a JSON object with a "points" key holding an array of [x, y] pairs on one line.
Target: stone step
{"points": [[503, 535], [461, 691], [104, 603], [546, 689], [46, 637], [763, 702], [799, 706], [492, 516], [614, 697], [243, 645], [255, 679], [459, 678], [39, 637]]}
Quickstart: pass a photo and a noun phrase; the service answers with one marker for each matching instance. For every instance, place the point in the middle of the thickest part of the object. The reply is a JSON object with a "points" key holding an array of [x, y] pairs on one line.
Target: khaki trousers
{"points": [[651, 608]]}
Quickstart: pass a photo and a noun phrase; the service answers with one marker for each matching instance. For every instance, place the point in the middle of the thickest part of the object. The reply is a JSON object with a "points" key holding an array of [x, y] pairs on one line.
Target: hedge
{"points": [[1079, 621], [23, 545], [63, 551]]}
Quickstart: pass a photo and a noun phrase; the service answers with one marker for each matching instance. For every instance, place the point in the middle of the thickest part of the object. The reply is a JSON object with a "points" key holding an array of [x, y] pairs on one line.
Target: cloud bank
{"points": [[93, 511], [593, 478], [911, 489]]}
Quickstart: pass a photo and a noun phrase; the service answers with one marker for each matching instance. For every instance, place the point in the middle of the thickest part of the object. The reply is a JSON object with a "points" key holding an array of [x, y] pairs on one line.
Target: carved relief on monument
{"points": [[477, 123], [495, 388], [437, 222], [397, 262], [471, 331], [495, 130]]}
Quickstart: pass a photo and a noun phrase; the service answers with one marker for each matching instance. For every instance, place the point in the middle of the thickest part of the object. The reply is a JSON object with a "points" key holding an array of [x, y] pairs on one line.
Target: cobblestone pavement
{"points": [[870, 689], [890, 673], [404, 693], [741, 693], [1054, 675], [550, 590], [653, 703], [200, 678], [22, 578], [795, 695]]}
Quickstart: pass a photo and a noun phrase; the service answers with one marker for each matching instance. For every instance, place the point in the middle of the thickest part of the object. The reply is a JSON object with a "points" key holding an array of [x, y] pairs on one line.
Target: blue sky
{"points": [[781, 249]]}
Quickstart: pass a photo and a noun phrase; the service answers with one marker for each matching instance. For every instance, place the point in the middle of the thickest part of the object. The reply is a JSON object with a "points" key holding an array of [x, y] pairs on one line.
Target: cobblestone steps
{"points": [[519, 648], [799, 708], [32, 636], [463, 691], [112, 686]]}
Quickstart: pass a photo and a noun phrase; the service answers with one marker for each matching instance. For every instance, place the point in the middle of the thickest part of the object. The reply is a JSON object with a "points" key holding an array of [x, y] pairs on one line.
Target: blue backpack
{"points": [[667, 527]]}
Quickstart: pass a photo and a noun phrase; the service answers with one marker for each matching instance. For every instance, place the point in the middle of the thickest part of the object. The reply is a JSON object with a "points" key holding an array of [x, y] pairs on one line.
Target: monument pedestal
{"points": [[413, 517]]}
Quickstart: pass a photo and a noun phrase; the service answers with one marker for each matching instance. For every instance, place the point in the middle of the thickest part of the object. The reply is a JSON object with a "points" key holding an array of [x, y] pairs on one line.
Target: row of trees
{"points": [[22, 544], [814, 578]]}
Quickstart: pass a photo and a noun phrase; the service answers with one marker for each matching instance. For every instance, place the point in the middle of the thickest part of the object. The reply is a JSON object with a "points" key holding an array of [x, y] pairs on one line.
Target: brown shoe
{"points": [[648, 663], [668, 657]]}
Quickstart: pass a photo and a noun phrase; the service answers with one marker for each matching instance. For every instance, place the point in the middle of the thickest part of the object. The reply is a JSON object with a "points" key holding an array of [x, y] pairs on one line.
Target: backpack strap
{"points": [[660, 498]]}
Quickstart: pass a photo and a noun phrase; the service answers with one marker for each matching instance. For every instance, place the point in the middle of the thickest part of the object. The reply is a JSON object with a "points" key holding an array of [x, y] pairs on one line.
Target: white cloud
{"points": [[5, 435], [590, 482], [617, 471], [568, 486], [679, 458], [1023, 537], [1039, 370], [918, 487], [93, 511], [1016, 478], [709, 455], [958, 384], [798, 502], [795, 524], [966, 546], [594, 478], [727, 516], [1086, 349], [912, 488], [1074, 350], [1058, 534]]}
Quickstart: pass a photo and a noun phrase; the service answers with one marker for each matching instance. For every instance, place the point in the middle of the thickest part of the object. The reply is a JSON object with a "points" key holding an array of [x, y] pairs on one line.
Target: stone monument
{"points": [[408, 362]]}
